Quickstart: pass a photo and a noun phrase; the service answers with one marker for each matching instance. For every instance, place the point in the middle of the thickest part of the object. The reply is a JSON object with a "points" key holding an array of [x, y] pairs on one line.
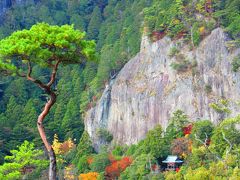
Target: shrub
{"points": [[208, 88], [196, 36], [62, 148], [236, 63], [26, 159], [172, 175], [100, 161], [198, 174], [221, 106], [88, 176], [210, 24], [159, 176], [83, 165], [182, 66], [177, 122], [118, 151], [173, 51], [84, 147], [132, 149], [139, 168], [113, 171], [201, 129], [68, 172], [154, 144], [104, 134], [181, 147]]}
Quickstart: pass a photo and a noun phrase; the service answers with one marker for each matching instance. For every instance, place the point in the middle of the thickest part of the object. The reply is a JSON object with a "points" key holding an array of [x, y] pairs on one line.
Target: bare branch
{"points": [[53, 76], [36, 81], [205, 145]]}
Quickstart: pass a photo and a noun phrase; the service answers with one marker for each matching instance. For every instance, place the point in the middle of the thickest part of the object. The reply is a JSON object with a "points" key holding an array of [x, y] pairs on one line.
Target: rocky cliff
{"points": [[148, 90]]}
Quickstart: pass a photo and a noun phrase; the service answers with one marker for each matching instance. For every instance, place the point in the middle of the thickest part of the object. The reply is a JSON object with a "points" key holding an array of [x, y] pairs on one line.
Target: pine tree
{"points": [[12, 112], [94, 24], [72, 124], [29, 114]]}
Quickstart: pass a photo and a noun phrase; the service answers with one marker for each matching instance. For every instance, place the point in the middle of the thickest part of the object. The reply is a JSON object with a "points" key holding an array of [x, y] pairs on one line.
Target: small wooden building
{"points": [[172, 162]]}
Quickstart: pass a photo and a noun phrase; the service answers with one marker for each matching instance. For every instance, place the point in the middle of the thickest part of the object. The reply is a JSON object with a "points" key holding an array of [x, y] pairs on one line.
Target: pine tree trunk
{"points": [[53, 166], [51, 154], [47, 88]]}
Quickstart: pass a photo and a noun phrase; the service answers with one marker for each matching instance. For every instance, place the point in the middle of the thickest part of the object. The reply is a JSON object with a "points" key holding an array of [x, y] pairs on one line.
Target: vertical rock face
{"points": [[98, 117], [147, 90]]}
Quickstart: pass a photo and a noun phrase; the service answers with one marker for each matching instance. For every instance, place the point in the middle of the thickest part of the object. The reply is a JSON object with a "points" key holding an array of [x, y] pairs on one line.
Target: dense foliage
{"points": [[117, 37], [208, 151], [23, 161], [116, 26], [193, 19]]}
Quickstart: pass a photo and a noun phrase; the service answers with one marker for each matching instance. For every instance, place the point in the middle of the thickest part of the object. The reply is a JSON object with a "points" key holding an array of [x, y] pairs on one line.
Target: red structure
{"points": [[173, 163]]}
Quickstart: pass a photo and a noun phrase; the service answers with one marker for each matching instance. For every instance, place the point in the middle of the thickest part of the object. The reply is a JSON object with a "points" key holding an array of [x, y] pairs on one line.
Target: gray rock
{"points": [[147, 90]]}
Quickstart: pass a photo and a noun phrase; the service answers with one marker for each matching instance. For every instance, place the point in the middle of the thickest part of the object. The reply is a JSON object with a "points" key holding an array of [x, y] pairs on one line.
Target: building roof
{"points": [[172, 159]]}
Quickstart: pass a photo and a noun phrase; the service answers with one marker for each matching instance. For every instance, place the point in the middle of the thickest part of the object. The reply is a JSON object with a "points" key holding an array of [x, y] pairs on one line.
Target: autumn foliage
{"points": [[68, 173], [62, 148], [181, 147], [90, 160], [88, 176], [187, 130], [112, 171]]}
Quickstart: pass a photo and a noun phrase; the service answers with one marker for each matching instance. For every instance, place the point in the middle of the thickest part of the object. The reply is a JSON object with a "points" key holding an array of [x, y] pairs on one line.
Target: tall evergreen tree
{"points": [[29, 114], [94, 24], [72, 124]]}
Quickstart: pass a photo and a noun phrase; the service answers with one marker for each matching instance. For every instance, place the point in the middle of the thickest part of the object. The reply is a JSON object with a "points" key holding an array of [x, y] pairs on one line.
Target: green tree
{"points": [[82, 165], [202, 130], [226, 137], [155, 144], [12, 112], [72, 124], [78, 21], [94, 24], [29, 114], [60, 17], [84, 147], [175, 127], [100, 161], [55, 125], [140, 167], [25, 157], [48, 47]]}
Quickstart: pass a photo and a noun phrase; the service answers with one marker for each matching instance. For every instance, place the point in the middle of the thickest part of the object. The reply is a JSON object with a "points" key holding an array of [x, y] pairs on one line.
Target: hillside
{"points": [[162, 78]]}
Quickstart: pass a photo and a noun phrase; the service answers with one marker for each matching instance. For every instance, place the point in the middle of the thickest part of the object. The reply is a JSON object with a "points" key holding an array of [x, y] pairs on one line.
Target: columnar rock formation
{"points": [[148, 90]]}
